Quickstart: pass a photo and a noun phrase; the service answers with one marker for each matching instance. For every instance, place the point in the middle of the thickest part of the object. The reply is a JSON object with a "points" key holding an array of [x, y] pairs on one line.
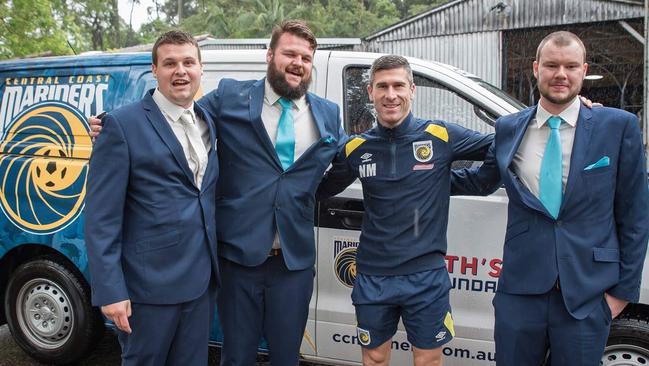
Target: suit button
{"points": [[559, 223]]}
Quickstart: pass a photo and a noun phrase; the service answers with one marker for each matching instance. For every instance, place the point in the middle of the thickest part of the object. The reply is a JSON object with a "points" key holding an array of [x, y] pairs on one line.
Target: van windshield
{"points": [[499, 92]]}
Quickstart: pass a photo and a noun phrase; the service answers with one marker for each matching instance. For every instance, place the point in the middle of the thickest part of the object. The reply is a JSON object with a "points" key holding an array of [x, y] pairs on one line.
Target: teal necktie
{"points": [[285, 142], [550, 180]]}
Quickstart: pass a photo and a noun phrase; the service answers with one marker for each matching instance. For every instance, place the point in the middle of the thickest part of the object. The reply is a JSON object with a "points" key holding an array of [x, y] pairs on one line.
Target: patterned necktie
{"points": [[285, 142], [551, 176], [197, 151]]}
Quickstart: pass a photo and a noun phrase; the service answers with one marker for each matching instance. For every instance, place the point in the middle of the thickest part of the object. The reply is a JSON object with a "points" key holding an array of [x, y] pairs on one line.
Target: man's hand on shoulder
{"points": [[616, 305], [119, 313], [589, 103], [95, 126]]}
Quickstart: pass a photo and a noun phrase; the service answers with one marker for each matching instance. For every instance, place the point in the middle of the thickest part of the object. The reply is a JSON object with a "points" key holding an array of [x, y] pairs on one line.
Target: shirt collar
{"points": [[568, 115], [171, 110], [271, 97], [402, 129]]}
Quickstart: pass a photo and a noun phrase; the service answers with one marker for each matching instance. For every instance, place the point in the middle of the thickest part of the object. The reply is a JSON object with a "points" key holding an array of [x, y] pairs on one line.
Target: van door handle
{"points": [[350, 219]]}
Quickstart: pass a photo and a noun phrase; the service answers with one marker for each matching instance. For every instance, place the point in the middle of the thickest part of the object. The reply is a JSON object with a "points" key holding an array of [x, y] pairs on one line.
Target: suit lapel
{"points": [[210, 171], [256, 105], [580, 147], [518, 132], [161, 126], [319, 119]]}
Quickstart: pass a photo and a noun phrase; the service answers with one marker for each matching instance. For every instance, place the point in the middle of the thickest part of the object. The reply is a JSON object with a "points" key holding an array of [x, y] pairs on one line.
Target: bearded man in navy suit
{"points": [[578, 216], [275, 142]]}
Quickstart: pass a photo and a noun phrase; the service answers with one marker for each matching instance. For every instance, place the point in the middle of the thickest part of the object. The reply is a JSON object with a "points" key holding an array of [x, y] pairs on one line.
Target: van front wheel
{"points": [[49, 313], [628, 342]]}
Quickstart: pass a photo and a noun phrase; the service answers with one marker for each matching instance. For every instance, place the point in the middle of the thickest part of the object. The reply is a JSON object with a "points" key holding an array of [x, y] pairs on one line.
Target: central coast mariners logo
{"points": [[363, 336], [423, 150], [43, 167], [345, 260]]}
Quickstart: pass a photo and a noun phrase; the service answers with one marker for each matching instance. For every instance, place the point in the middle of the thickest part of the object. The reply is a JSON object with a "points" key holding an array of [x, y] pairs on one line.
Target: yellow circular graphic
{"points": [[43, 167], [345, 266], [423, 153]]}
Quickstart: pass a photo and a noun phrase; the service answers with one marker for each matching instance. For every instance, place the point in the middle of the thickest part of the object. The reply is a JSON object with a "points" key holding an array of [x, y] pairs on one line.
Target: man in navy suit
{"points": [[578, 216], [275, 142], [151, 233]]}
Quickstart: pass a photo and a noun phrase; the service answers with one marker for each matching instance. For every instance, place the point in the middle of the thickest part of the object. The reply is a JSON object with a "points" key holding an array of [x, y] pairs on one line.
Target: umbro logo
{"points": [[440, 336], [366, 158]]}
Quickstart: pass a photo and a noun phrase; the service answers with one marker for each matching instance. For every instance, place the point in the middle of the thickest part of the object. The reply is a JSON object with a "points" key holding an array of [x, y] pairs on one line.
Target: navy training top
{"points": [[405, 174]]}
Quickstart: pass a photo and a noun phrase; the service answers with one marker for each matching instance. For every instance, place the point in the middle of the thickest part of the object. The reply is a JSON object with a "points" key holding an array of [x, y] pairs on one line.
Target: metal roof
{"points": [[466, 16]]}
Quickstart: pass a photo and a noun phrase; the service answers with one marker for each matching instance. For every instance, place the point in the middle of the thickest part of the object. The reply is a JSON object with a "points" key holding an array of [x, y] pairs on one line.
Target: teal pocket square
{"points": [[605, 161], [328, 139]]}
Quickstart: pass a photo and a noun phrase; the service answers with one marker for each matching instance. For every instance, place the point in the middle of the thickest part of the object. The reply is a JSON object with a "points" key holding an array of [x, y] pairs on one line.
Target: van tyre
{"points": [[49, 313], [628, 342]]}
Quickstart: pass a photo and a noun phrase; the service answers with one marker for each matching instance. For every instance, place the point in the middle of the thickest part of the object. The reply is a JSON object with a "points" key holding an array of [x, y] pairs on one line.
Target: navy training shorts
{"points": [[420, 299]]}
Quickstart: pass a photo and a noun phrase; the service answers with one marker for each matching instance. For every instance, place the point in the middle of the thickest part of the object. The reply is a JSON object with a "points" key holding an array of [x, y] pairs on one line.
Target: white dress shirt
{"points": [[527, 160], [172, 113], [306, 131]]}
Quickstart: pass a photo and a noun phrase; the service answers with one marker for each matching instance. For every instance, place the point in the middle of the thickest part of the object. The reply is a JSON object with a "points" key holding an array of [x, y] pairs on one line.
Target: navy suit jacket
{"points": [[150, 231], [598, 242], [255, 197]]}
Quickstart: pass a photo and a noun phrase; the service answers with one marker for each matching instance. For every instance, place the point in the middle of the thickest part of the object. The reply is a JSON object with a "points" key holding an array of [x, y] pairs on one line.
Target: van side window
{"points": [[432, 101]]}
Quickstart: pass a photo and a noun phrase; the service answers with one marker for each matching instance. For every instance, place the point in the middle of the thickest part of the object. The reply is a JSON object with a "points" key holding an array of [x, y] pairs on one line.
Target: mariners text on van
{"points": [[54, 80]]}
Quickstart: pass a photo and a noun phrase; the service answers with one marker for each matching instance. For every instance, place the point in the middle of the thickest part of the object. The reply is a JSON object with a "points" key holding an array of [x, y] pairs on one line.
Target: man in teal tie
{"points": [[578, 216], [275, 141]]}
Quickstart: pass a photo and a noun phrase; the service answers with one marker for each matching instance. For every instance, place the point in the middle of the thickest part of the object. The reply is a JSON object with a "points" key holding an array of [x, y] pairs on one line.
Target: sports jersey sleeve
{"points": [[339, 176], [477, 181], [467, 144]]}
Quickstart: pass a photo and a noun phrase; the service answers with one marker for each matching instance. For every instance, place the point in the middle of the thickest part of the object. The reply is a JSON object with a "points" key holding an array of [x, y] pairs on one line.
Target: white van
{"points": [[42, 256]]}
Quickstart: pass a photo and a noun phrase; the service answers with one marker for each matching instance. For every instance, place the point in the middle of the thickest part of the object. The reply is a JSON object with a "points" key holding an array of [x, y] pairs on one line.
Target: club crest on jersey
{"points": [[367, 170], [423, 150], [363, 336]]}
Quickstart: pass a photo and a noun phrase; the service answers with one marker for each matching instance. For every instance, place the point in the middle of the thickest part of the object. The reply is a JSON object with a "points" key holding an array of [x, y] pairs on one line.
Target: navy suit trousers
{"points": [[528, 325], [266, 300], [169, 335]]}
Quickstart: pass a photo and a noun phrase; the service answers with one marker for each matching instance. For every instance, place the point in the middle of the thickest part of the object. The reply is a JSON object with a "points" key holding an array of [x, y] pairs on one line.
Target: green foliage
{"points": [[29, 27], [420, 8], [256, 18]]}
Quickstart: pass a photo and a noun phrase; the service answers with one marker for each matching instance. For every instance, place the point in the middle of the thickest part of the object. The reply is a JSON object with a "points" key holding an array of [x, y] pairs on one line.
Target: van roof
{"points": [[101, 59]]}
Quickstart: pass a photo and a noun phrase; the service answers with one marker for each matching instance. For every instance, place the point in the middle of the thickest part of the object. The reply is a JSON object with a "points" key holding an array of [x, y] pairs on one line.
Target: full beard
{"points": [[277, 81]]}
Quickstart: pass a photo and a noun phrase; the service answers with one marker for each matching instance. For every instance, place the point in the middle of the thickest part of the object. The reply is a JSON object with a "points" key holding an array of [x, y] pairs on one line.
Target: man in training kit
{"points": [[404, 167]]}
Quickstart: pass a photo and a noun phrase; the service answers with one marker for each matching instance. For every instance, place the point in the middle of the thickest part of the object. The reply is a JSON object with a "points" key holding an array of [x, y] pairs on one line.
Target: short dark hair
{"points": [[297, 28], [561, 39], [174, 37], [390, 62]]}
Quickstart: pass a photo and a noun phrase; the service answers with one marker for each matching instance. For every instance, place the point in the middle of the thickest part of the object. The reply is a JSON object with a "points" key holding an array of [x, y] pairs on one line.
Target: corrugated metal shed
{"points": [[468, 16], [478, 53], [469, 33]]}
